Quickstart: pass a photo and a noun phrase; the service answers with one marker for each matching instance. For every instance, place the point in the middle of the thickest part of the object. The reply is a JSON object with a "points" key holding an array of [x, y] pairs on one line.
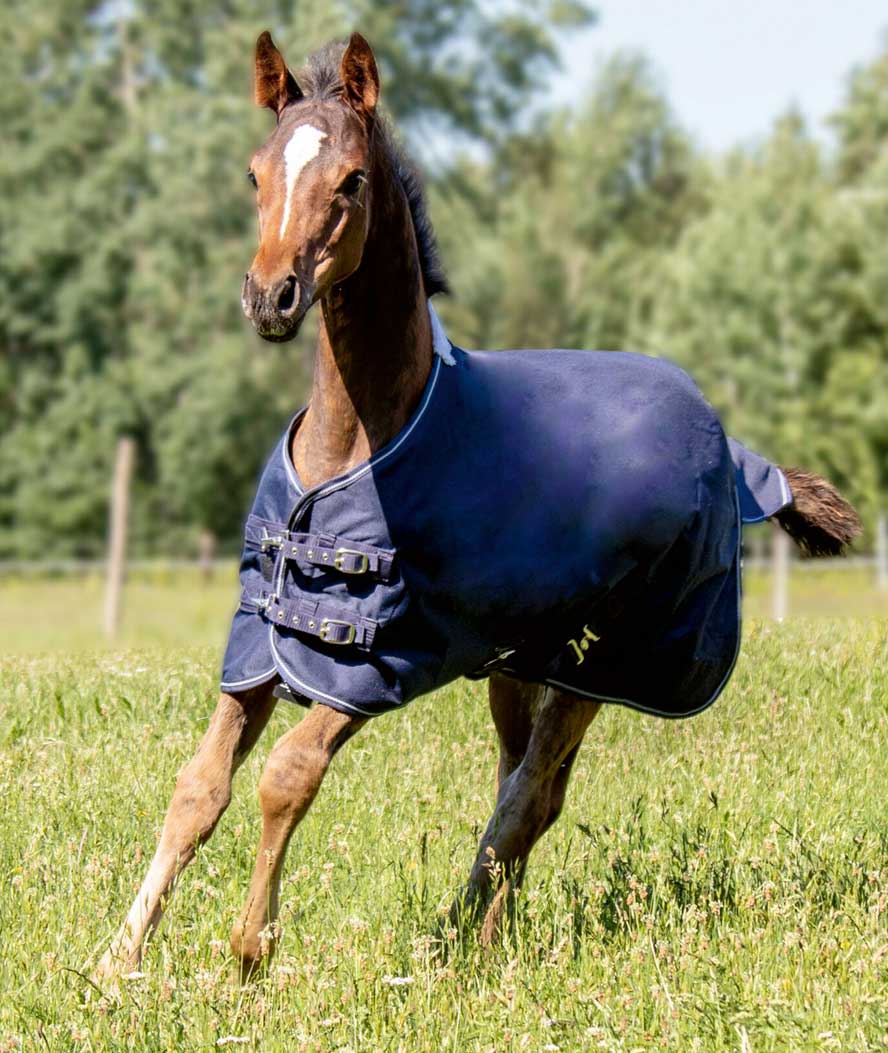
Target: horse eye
{"points": [[251, 176], [353, 183]]}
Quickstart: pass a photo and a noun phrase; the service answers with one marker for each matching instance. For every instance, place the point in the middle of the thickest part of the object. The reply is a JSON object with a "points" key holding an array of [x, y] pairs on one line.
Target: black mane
{"points": [[319, 79]]}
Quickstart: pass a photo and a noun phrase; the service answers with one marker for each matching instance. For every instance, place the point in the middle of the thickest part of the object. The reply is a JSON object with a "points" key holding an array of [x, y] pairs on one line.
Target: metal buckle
{"points": [[268, 541], [325, 626], [363, 565]]}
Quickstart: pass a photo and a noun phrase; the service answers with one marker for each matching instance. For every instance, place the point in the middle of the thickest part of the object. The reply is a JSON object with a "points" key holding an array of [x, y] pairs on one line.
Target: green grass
{"points": [[818, 591], [715, 884], [161, 608]]}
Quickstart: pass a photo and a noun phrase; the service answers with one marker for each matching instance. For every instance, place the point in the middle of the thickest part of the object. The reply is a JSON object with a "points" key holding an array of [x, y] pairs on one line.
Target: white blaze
{"points": [[304, 146]]}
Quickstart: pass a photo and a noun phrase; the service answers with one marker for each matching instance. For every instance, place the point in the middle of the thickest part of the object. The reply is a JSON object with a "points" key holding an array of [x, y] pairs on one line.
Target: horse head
{"points": [[313, 194]]}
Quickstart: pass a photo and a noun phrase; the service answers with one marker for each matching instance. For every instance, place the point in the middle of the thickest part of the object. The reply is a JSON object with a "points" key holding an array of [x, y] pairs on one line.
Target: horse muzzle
{"points": [[276, 310]]}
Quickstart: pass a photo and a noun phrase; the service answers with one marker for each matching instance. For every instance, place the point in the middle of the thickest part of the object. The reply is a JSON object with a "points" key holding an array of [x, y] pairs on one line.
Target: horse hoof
{"points": [[253, 953], [251, 969]]}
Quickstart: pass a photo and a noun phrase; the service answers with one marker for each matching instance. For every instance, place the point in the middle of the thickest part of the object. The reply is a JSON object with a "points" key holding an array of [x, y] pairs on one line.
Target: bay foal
{"points": [[350, 234], [343, 224]]}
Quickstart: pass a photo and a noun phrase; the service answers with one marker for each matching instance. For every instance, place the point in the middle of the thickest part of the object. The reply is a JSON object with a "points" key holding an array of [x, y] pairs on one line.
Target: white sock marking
{"points": [[304, 146]]}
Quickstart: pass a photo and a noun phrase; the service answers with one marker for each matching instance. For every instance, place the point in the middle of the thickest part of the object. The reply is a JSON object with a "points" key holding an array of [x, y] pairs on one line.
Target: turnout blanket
{"points": [[566, 517]]}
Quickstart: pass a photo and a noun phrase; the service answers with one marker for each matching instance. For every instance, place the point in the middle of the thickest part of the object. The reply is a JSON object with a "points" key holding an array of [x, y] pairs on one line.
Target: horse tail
{"points": [[819, 520]]}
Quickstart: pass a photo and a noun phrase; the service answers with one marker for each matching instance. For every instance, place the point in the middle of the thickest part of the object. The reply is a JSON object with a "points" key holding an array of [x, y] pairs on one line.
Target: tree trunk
{"points": [[117, 529], [206, 548]]}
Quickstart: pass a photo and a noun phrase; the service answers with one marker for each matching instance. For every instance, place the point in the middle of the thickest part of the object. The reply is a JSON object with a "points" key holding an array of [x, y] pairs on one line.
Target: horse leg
{"points": [[509, 885], [203, 790], [529, 801], [558, 791], [296, 767], [513, 704]]}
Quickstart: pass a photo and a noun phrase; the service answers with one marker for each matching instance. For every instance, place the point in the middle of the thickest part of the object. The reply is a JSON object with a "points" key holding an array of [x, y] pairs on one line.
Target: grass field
{"points": [[715, 884]]}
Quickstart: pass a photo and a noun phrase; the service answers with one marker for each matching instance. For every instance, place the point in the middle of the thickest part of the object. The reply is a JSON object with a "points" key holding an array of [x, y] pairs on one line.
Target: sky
{"points": [[730, 68]]}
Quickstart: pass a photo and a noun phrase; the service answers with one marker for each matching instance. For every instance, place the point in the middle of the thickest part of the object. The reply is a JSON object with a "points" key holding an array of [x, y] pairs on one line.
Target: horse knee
{"points": [[291, 779]]}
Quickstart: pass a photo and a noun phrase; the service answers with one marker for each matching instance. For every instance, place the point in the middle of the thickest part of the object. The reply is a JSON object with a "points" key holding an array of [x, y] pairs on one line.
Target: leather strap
{"points": [[348, 557], [327, 621], [285, 692]]}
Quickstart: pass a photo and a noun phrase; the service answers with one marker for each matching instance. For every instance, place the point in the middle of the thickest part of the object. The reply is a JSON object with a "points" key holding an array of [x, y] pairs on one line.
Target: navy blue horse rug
{"points": [[567, 517]]}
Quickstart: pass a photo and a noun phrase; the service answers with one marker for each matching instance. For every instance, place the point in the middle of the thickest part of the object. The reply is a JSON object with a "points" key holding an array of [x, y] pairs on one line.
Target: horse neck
{"points": [[375, 345]]}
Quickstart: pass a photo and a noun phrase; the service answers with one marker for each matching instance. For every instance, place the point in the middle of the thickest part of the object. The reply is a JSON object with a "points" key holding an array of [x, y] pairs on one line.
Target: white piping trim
{"points": [[315, 693], [254, 681], [784, 487], [289, 467], [440, 344], [386, 451], [443, 350], [384, 454], [785, 493]]}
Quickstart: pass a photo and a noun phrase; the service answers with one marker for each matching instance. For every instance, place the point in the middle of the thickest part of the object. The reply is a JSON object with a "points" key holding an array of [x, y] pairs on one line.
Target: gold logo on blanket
{"points": [[582, 646]]}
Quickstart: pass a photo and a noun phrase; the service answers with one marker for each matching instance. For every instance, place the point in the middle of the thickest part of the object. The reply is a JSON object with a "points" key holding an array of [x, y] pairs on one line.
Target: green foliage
{"points": [[862, 123], [464, 66], [714, 884], [572, 219]]}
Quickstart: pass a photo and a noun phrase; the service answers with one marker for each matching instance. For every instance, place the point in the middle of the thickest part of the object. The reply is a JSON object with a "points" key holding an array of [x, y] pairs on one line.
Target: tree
{"points": [[570, 221], [862, 121], [862, 207], [759, 304]]}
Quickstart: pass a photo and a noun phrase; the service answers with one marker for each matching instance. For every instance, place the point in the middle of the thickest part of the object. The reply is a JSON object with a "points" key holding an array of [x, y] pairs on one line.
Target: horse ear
{"points": [[275, 84], [360, 77]]}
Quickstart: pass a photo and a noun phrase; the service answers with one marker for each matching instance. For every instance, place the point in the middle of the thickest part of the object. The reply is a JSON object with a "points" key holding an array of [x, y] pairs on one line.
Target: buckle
{"points": [[324, 631], [363, 561], [268, 541]]}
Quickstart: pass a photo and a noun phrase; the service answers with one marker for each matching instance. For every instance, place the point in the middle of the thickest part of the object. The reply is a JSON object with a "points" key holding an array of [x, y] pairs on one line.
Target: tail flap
{"points": [[761, 486]]}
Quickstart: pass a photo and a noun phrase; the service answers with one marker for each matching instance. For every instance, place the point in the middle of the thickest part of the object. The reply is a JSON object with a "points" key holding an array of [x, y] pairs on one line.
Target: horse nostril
{"points": [[287, 296]]}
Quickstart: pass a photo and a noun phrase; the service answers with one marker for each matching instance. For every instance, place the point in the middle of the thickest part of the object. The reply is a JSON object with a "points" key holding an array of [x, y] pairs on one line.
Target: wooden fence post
{"points": [[780, 571], [117, 527], [206, 547]]}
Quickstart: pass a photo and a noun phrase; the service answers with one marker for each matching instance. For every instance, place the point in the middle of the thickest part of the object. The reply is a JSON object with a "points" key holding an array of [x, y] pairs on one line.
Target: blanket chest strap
{"points": [[328, 622], [326, 550]]}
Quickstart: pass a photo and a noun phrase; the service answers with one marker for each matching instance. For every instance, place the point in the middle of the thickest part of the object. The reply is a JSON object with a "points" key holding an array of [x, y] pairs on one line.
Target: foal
{"points": [[342, 223]]}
